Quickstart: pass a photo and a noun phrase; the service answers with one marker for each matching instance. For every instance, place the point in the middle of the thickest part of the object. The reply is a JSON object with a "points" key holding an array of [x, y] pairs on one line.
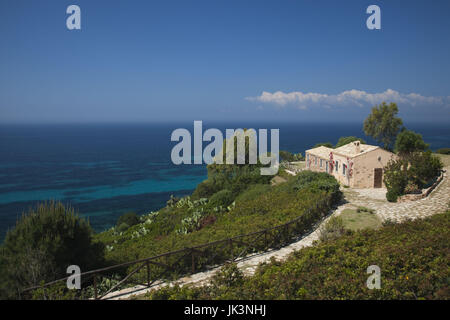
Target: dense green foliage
{"points": [[290, 157], [258, 206], [413, 258], [409, 175], [382, 124], [443, 151], [222, 198], [346, 140], [324, 144], [409, 142], [127, 220], [42, 245]]}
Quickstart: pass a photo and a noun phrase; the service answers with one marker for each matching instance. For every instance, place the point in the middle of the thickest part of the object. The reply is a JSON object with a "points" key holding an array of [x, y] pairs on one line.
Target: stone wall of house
{"points": [[364, 167], [337, 172]]}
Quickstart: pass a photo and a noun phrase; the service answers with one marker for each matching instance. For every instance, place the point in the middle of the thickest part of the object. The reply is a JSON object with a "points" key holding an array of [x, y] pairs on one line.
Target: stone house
{"points": [[355, 164]]}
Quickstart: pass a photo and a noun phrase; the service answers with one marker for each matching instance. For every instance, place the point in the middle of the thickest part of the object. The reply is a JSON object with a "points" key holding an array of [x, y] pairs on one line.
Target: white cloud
{"points": [[349, 98]]}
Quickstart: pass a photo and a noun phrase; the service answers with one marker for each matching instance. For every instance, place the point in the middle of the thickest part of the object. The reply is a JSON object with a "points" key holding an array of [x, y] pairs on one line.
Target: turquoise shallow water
{"points": [[107, 170]]}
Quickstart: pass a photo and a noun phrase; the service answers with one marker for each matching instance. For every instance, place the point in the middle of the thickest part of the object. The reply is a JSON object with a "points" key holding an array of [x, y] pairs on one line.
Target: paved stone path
{"points": [[437, 201]]}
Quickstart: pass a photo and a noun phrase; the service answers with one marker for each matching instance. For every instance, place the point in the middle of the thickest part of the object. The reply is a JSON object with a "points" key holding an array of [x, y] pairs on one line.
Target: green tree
{"points": [[325, 144], [130, 218], [235, 177], [290, 157], [424, 167], [408, 142], [43, 244], [382, 124], [346, 140]]}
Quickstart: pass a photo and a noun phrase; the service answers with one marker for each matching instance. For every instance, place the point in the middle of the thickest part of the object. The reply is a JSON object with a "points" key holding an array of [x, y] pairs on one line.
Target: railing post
{"points": [[95, 286], [193, 261], [148, 273]]}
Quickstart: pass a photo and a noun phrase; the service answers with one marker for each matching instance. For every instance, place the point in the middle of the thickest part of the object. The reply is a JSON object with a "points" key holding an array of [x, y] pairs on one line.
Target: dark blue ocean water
{"points": [[107, 170]]}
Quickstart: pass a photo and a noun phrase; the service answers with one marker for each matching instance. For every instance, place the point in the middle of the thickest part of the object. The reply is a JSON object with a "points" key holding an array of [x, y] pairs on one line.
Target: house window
{"points": [[326, 166], [315, 161], [343, 169], [321, 163], [337, 166]]}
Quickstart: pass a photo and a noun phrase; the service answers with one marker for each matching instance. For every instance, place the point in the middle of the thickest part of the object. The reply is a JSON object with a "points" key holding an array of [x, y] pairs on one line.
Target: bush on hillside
{"points": [[129, 219], [222, 198], [43, 244], [443, 151], [413, 257], [424, 167], [318, 181]]}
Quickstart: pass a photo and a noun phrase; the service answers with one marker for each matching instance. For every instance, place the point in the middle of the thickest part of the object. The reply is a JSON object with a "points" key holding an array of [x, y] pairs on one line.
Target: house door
{"points": [[377, 179]]}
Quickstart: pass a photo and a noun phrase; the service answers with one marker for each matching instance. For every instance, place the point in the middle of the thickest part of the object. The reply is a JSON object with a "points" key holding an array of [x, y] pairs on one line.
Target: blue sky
{"points": [[169, 60]]}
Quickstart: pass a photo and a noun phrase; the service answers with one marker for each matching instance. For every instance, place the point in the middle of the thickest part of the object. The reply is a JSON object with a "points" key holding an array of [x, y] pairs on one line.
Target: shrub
{"points": [[443, 151], [43, 244], [318, 181], [424, 167], [290, 157], [253, 192], [204, 189], [395, 178], [332, 230], [392, 195], [413, 258], [123, 227], [222, 198], [129, 218], [408, 142], [346, 140]]}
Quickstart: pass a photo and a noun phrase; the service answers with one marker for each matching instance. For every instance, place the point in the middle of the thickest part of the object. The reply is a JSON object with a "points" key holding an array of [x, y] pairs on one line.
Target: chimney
{"points": [[357, 147]]}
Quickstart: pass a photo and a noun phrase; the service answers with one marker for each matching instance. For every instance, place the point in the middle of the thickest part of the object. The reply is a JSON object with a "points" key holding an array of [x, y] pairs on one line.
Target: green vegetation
{"points": [[332, 230], [413, 258], [290, 157], [409, 142], [382, 124], [256, 207], [127, 220], [325, 144], [346, 140], [443, 151], [409, 175], [42, 245]]}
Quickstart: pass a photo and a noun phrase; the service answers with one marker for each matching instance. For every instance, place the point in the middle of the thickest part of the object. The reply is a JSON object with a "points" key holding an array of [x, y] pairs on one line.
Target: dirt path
{"points": [[437, 201]]}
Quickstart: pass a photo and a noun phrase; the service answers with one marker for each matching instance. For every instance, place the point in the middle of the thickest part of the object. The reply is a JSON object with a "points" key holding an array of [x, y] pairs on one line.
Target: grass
{"points": [[354, 220]]}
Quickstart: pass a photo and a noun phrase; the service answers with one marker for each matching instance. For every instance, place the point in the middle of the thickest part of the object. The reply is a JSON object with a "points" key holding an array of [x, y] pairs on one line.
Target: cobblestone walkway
{"points": [[437, 201]]}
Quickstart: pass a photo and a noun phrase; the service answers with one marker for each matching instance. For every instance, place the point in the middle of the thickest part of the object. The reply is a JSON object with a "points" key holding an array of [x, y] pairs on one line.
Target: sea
{"points": [[106, 170]]}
